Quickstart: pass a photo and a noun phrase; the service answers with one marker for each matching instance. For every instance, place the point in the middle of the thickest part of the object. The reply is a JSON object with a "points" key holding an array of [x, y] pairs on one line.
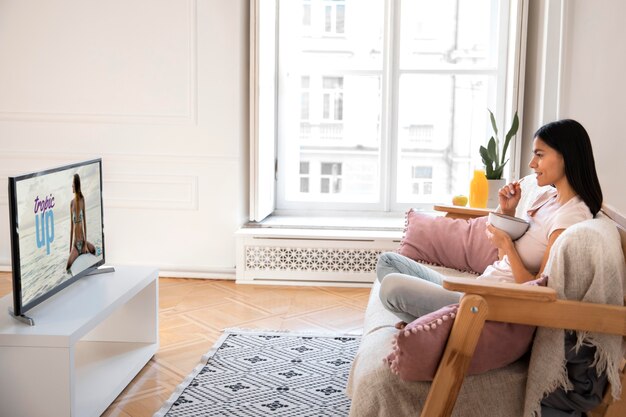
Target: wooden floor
{"points": [[193, 313]]}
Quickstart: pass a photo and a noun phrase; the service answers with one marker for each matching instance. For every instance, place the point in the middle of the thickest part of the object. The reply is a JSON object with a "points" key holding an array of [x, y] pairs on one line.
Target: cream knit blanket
{"points": [[586, 264]]}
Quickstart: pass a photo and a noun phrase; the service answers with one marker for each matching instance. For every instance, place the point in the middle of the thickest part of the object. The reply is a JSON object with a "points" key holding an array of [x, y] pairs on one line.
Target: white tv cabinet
{"points": [[89, 341]]}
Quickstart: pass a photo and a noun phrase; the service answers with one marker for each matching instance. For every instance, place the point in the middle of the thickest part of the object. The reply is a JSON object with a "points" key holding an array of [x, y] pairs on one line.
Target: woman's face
{"points": [[547, 163]]}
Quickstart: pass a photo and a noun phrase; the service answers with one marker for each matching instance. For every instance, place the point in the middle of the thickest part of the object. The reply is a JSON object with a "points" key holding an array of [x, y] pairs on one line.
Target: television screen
{"points": [[57, 231]]}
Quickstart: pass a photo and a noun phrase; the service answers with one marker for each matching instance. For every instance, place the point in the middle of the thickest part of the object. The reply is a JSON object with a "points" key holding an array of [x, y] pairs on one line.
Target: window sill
{"points": [[365, 222]]}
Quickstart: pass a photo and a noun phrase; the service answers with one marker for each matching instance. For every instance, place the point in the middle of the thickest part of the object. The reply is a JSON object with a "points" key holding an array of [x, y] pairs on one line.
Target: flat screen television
{"points": [[57, 234]]}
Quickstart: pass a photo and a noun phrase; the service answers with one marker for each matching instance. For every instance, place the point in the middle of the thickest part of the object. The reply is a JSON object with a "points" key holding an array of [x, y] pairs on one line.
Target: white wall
{"points": [[158, 89], [592, 85]]}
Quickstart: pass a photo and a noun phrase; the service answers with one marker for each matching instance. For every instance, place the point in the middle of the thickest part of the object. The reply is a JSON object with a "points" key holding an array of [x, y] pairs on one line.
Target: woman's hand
{"points": [[498, 238], [509, 197]]}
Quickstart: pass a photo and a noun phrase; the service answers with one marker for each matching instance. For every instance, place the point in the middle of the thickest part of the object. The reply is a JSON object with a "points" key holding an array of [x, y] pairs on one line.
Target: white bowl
{"points": [[513, 226]]}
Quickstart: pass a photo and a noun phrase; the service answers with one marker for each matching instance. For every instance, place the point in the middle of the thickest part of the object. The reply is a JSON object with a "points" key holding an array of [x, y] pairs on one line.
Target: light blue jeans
{"points": [[409, 289]]}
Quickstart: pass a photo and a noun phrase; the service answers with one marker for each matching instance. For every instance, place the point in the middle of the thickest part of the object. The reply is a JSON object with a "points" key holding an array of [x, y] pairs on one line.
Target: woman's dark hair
{"points": [[77, 193], [570, 139]]}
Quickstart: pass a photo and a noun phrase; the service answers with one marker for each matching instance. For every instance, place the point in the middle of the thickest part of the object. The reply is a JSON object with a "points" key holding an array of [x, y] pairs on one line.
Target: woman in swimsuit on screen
{"points": [[78, 225]]}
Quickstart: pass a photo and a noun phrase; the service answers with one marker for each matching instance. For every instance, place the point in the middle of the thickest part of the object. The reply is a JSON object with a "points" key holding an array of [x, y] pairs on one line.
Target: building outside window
{"points": [[421, 133], [332, 93], [422, 180], [304, 177], [398, 100], [334, 16], [330, 177], [306, 14], [304, 103]]}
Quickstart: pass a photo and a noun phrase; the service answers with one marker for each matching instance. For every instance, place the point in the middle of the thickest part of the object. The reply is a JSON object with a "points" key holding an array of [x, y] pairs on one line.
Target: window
{"points": [[304, 103], [422, 172], [421, 177], [323, 18], [330, 177], [332, 98], [334, 15], [304, 177], [306, 14], [396, 92], [421, 133]]}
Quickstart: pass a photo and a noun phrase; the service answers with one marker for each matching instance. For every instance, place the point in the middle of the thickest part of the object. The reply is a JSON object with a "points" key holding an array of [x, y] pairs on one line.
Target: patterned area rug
{"points": [[249, 373]]}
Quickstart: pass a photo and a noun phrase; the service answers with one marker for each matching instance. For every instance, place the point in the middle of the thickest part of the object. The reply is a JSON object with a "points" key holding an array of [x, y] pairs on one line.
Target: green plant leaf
{"points": [[487, 161], [492, 150], [514, 126], [493, 156], [493, 122], [512, 131], [485, 155], [497, 173]]}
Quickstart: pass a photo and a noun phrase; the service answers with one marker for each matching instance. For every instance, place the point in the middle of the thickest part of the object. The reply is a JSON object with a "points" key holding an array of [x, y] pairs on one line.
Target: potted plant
{"points": [[494, 158]]}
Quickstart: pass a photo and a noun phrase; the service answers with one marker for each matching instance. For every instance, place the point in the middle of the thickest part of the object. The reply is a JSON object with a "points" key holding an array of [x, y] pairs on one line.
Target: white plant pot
{"points": [[494, 187]]}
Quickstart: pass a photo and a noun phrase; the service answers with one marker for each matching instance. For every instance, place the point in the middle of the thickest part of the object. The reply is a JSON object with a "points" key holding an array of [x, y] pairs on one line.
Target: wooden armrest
{"points": [[460, 212], [499, 289], [538, 306]]}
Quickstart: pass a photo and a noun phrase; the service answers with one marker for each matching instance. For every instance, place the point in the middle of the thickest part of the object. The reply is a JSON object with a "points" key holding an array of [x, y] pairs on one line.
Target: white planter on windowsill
{"points": [[494, 187]]}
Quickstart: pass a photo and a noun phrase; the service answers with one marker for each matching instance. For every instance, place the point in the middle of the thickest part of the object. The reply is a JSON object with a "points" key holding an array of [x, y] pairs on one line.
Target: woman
{"points": [[562, 158], [78, 225]]}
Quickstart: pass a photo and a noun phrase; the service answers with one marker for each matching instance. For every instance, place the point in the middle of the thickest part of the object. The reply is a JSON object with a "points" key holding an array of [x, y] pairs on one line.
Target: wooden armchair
{"points": [[513, 303]]}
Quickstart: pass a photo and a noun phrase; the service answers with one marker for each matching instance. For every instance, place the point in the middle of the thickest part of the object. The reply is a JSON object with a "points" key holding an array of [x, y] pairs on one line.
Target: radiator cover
{"points": [[299, 256]]}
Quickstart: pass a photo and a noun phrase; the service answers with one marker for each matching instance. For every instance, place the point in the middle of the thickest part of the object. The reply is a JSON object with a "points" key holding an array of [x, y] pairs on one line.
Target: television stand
{"points": [[22, 317], [101, 270], [90, 341]]}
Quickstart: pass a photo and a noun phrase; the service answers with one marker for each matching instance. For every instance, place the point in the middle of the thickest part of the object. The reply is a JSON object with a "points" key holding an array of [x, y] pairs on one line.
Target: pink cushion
{"points": [[418, 348], [453, 243]]}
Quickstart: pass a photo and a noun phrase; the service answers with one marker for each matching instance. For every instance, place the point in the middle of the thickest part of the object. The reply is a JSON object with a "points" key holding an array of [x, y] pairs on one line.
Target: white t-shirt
{"points": [[545, 216]]}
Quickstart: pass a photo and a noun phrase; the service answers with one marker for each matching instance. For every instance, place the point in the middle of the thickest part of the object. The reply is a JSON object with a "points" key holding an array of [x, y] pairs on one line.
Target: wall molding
{"points": [[4, 178], [190, 117], [187, 184], [60, 158]]}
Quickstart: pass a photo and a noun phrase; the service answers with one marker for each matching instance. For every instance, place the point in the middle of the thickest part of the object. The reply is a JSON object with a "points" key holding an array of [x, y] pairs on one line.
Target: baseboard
{"points": [[222, 273], [304, 283], [197, 275]]}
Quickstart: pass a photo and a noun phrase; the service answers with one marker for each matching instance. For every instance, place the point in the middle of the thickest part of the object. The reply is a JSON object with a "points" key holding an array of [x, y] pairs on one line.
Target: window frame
{"points": [[511, 83]]}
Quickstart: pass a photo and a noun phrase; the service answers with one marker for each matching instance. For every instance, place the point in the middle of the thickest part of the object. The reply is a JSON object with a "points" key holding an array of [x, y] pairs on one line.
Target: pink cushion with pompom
{"points": [[418, 348], [453, 243]]}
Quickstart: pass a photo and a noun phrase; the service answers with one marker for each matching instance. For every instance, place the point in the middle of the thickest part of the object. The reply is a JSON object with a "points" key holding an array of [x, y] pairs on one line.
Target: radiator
{"points": [[310, 257]]}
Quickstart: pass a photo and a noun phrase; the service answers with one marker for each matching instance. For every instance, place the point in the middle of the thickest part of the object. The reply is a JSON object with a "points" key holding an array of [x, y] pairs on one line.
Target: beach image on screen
{"points": [[49, 224]]}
